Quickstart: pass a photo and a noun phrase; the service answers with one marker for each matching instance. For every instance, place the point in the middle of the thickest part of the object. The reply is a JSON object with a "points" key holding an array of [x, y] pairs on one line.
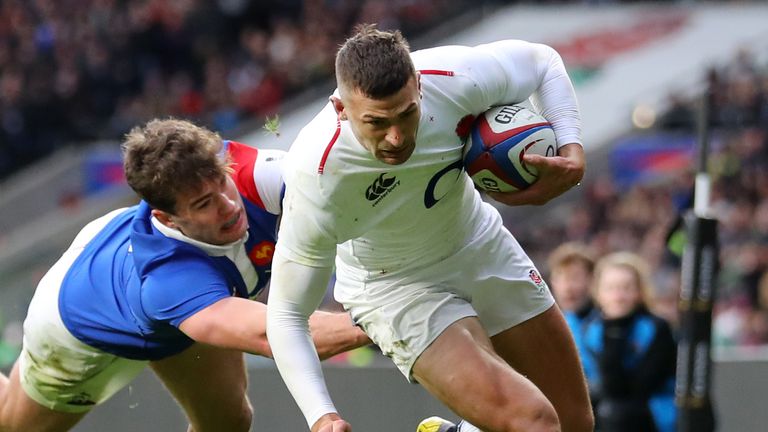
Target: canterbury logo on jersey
{"points": [[380, 188]]}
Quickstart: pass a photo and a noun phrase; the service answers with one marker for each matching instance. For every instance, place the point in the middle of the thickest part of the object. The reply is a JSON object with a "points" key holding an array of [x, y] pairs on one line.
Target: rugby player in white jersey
{"points": [[424, 266]]}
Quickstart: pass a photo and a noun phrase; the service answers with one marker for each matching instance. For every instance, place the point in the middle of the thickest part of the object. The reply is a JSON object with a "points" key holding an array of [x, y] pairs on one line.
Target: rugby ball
{"points": [[498, 140]]}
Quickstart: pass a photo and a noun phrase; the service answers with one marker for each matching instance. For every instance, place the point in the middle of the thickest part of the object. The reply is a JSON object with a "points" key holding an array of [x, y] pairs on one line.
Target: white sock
{"points": [[465, 426]]}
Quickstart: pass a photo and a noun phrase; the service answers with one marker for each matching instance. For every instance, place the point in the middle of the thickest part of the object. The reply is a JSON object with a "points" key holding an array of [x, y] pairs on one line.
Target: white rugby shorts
{"points": [[57, 370], [403, 313]]}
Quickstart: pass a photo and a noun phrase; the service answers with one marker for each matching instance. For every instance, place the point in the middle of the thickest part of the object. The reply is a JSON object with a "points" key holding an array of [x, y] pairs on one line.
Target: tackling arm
{"points": [[241, 324]]}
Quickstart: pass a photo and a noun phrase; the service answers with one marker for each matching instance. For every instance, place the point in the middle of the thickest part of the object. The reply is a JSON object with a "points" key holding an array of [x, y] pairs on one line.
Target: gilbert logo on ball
{"points": [[499, 139]]}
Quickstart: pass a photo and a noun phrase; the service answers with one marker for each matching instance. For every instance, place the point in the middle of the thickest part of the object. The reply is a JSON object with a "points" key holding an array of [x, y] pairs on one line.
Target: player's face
{"points": [[570, 286], [214, 214], [386, 127], [618, 292]]}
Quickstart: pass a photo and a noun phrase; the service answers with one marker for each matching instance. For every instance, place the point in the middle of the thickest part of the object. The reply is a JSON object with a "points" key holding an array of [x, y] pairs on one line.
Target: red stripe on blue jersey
{"points": [[243, 158], [336, 134]]}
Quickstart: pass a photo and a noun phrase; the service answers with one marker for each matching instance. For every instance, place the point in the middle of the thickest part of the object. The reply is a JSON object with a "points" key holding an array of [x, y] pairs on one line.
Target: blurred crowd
{"points": [[642, 218], [78, 70]]}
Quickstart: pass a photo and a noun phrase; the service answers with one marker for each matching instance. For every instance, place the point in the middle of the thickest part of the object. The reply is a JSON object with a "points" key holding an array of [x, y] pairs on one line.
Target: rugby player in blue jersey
{"points": [[168, 283]]}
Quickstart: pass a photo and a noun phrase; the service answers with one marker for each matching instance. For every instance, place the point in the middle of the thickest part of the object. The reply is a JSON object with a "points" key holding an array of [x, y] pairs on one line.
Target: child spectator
{"points": [[633, 350]]}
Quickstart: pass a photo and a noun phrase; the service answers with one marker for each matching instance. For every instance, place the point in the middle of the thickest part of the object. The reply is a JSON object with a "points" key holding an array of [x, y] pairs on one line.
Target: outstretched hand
{"points": [[557, 174], [331, 423]]}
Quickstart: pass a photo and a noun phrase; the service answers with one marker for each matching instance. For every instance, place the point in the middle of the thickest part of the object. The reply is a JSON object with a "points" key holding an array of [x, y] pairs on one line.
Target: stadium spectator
{"points": [[449, 294], [170, 283], [633, 350], [571, 267]]}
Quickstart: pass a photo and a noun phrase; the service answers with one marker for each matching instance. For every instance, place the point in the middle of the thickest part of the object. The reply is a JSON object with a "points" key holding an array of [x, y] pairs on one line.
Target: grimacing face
{"points": [[386, 127], [212, 214]]}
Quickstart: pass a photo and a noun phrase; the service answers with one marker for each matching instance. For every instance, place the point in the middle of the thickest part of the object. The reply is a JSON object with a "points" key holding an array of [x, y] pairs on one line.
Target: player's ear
{"points": [[338, 106], [164, 218]]}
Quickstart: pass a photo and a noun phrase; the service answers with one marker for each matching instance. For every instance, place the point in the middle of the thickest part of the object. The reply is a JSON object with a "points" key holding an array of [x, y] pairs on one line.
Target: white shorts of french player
{"points": [[491, 278], [57, 370]]}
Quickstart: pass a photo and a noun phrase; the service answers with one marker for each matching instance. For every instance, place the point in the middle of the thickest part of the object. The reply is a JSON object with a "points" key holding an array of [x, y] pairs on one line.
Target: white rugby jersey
{"points": [[389, 218], [397, 218]]}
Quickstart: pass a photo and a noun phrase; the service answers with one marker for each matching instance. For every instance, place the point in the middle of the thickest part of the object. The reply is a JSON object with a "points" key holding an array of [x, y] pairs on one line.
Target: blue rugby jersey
{"points": [[132, 286]]}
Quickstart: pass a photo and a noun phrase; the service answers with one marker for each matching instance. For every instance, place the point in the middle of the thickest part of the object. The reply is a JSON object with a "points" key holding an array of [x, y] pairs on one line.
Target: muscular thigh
{"points": [[543, 350], [20, 413], [463, 371], [209, 383]]}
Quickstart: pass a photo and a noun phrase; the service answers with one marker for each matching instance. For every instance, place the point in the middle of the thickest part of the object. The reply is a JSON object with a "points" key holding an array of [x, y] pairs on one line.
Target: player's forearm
{"points": [[334, 333], [297, 361], [295, 292], [233, 323]]}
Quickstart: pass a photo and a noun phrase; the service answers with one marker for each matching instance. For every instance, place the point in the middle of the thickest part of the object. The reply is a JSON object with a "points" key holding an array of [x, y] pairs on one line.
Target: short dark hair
{"points": [[374, 62], [168, 157]]}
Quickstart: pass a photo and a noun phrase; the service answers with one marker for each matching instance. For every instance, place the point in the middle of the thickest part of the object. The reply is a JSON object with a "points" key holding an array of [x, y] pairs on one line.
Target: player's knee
{"points": [[241, 423], [245, 418], [534, 415], [538, 418], [236, 420]]}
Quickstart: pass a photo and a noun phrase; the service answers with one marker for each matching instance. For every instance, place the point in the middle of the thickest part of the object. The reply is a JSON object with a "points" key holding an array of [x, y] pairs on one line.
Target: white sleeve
{"points": [[268, 178], [537, 70], [295, 292]]}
